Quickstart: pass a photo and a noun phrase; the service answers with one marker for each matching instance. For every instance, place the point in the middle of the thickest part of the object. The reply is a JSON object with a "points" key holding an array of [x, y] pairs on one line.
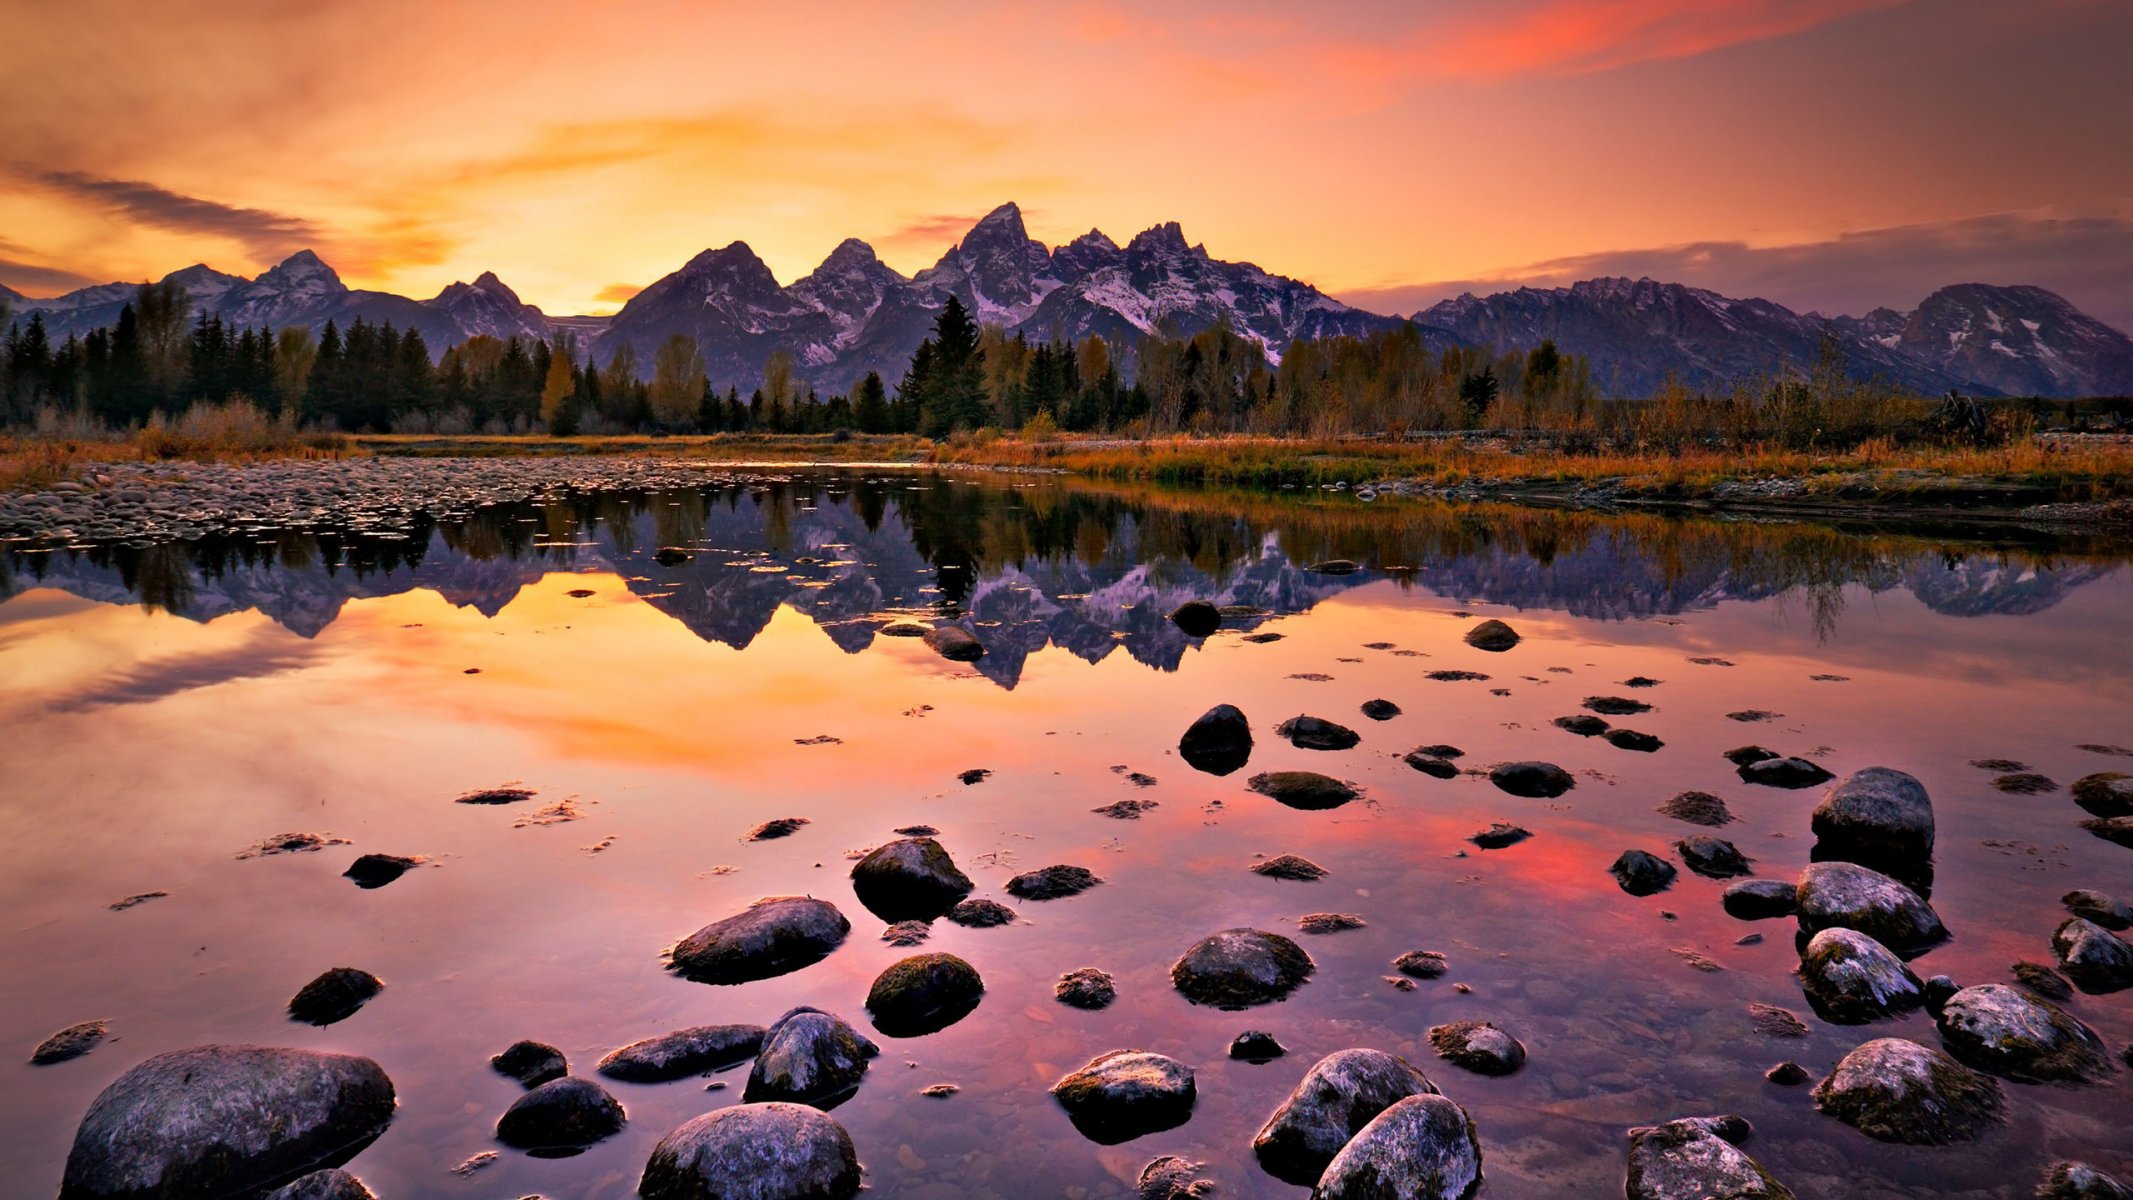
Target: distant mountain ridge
{"points": [[854, 314]]}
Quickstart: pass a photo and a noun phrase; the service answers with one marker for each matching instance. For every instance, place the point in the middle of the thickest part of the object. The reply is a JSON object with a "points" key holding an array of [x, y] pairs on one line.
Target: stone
{"points": [[530, 1063], [2043, 981], [768, 1151], [1380, 710], [773, 936], [1583, 725], [2105, 794], [697, 1050], [1772, 1021], [671, 556], [1895, 1090], [776, 828], [809, 1057], [2026, 783], [909, 878], [1052, 883], [1329, 922], [1851, 979], [1317, 733], [334, 996], [1430, 764], [1124, 1094], [1173, 1178], [1492, 635], [1785, 772], [1641, 873], [1712, 858], [1421, 964], [1256, 1046], [1240, 968], [1197, 618], [1787, 1074], [377, 870], [1879, 818], [1336, 1098], [954, 643], [1289, 866], [1219, 743], [330, 1184], [1853, 897], [907, 933], [906, 629], [1500, 835], [923, 994], [1532, 780], [1422, 1148], [2080, 1181], [1998, 1028], [2102, 909], [224, 1120], [1478, 1046], [1306, 790], [1698, 808], [978, 913], [1086, 987], [2096, 959], [1697, 1158], [2112, 829], [1616, 706], [1630, 739], [1760, 899], [69, 1043], [562, 1114]]}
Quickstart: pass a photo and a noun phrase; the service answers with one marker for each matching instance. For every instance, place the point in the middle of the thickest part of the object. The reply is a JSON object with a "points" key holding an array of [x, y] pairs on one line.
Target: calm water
{"points": [[167, 707]]}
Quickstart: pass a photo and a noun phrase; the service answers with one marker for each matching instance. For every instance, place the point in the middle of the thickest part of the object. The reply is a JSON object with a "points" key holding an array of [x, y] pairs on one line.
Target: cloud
{"points": [[1572, 37], [267, 653], [939, 230], [264, 234], [618, 293], [2082, 257], [35, 277]]}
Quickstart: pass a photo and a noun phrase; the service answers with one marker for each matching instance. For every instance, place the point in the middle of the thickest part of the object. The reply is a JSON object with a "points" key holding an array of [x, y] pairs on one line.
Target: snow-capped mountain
{"points": [[2018, 341], [488, 307]]}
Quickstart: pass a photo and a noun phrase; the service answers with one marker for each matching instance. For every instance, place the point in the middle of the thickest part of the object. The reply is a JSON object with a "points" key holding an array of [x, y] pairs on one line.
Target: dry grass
{"points": [[62, 446], [717, 447]]}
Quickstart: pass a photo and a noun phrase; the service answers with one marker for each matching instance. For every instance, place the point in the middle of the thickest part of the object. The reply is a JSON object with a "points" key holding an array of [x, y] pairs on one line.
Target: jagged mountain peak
{"points": [[1166, 238], [851, 254], [1005, 221], [303, 269]]}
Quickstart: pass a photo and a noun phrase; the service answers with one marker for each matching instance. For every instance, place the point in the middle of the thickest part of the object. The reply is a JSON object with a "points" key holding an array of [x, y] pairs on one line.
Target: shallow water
{"points": [[166, 707]]}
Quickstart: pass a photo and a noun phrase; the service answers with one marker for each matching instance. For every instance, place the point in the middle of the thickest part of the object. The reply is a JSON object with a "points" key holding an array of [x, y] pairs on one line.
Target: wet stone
{"points": [[1895, 1090], [1760, 899], [1630, 739], [1783, 772], [981, 914], [2105, 794], [334, 996], [1085, 987], [1532, 780], [1853, 897], [1336, 1098], [2080, 1181], [771, 937], [1240, 968], [1698, 808], [69, 1043], [809, 1057], [754, 1151], [377, 870], [1289, 866], [1712, 858], [1430, 764], [1052, 883], [1851, 979], [684, 1052], [330, 1184], [1879, 818], [2042, 980], [1126, 810], [1616, 706], [2093, 957], [909, 878], [1582, 724], [1493, 636], [975, 775], [907, 933], [1317, 733], [1641, 873], [1329, 922], [1787, 1074], [2112, 829], [1421, 964], [496, 795], [1307, 790], [562, 1114], [1255, 1046], [1196, 618], [1423, 1148], [2025, 783], [1380, 710], [1219, 743], [1125, 1094], [2098, 907], [954, 643], [1500, 835], [1173, 1178], [1478, 1046], [530, 1063], [1772, 1021], [1697, 1158], [777, 828], [923, 994], [1997, 1028]]}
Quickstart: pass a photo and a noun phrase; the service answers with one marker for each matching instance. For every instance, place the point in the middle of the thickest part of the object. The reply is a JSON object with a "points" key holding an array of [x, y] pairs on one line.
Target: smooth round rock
{"points": [[955, 643], [1532, 780], [1196, 618], [1782, 771], [1478, 1046], [909, 878], [1316, 733], [1422, 1148], [1878, 817], [69, 1043], [1127, 1093], [1849, 896], [1432, 765], [771, 937], [1052, 883], [1086, 988], [1641, 873], [1696, 1158], [531, 1063], [2099, 907], [1851, 979], [330, 1184], [2105, 794], [217, 1120], [1307, 790], [1492, 635], [1998, 1028], [1895, 1090], [1760, 899], [562, 1114], [684, 1052], [1340, 1094], [2096, 959], [2080, 1181], [1173, 1178], [771, 1151], [1712, 858], [1219, 742], [981, 914], [1256, 1046], [334, 996], [1239, 968], [923, 994], [809, 1057]]}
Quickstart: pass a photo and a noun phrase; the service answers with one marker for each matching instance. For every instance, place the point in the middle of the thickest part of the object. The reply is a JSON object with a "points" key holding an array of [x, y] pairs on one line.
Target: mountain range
{"points": [[855, 314]]}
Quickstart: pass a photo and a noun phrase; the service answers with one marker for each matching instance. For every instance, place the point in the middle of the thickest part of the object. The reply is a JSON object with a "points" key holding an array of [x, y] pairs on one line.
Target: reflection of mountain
{"points": [[1088, 572]]}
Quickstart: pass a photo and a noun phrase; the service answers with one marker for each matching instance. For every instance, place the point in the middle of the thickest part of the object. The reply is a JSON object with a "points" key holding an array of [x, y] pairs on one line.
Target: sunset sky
{"points": [[1831, 154]]}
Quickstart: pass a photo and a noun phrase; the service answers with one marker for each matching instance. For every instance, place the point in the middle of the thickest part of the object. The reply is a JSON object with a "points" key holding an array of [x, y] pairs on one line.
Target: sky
{"points": [[1832, 155]]}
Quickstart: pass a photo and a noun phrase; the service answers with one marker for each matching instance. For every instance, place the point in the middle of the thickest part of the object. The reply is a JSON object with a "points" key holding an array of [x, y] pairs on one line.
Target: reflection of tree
{"points": [[678, 517], [162, 576]]}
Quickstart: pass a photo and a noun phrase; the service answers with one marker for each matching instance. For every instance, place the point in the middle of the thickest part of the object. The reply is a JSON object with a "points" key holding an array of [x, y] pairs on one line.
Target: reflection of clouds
{"points": [[265, 652]]}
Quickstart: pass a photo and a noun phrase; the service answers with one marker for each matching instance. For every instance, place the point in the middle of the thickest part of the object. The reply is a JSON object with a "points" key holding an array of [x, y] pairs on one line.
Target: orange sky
{"points": [[1822, 151]]}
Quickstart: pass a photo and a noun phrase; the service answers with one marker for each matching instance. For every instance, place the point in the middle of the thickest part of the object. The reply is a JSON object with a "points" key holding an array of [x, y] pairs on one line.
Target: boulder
{"points": [[1895, 1090], [955, 643], [1316, 733], [1642, 874], [810, 1057], [1239, 968], [2099, 907], [1173, 1178], [1197, 618], [1340, 1094], [377, 870], [1422, 1148], [1878, 817], [2096, 959], [1849, 896], [1851, 979], [1478, 1046], [694, 1051], [1712, 858], [334, 996], [773, 936], [2080, 1181], [1086, 987], [561, 1114], [1306, 790], [224, 1120], [1760, 899], [923, 994], [1997, 1028], [1127, 1093], [330, 1184], [2105, 794], [770, 1151], [909, 878], [1052, 883], [1492, 635], [1532, 780], [1219, 742], [1256, 1046], [981, 914], [1697, 1158], [531, 1063]]}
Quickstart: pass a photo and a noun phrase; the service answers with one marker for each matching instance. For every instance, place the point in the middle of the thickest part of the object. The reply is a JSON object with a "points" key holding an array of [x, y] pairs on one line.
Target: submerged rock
{"points": [[909, 878], [1173, 1178], [2043, 981], [1289, 866], [1698, 808], [69, 1043], [1760, 899], [777, 827], [1421, 964], [1846, 895], [1334, 566], [2103, 909], [1851, 979], [224, 1120], [923, 994], [334, 996], [1317, 733], [531, 1063], [562, 1114], [977, 913], [955, 643], [1380, 710], [1340, 1094], [1434, 766], [1616, 706], [1256, 1046], [1878, 817], [1780, 771], [2080, 1181], [1697, 1158], [1478, 1046], [1582, 724], [1307, 790], [1052, 883], [1895, 1090], [1329, 922], [809, 1057], [1197, 618], [671, 556], [1126, 1093], [684, 1052], [1997, 1028], [1422, 1148], [1532, 780], [1219, 742], [1239, 968], [2112, 829], [771, 937], [330, 1184], [771, 1151], [1500, 835], [1630, 739], [1641, 873], [1086, 987], [2105, 794], [1492, 635], [377, 870], [1712, 858], [2093, 957]]}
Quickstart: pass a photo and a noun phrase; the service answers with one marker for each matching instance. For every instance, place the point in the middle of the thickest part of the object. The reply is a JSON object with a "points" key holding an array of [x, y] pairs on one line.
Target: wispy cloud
{"points": [[34, 277], [263, 234], [270, 652], [618, 293], [934, 231]]}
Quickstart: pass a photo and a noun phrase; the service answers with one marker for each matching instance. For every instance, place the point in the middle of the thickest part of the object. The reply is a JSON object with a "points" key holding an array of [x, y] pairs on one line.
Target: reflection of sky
{"points": [[674, 747]]}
